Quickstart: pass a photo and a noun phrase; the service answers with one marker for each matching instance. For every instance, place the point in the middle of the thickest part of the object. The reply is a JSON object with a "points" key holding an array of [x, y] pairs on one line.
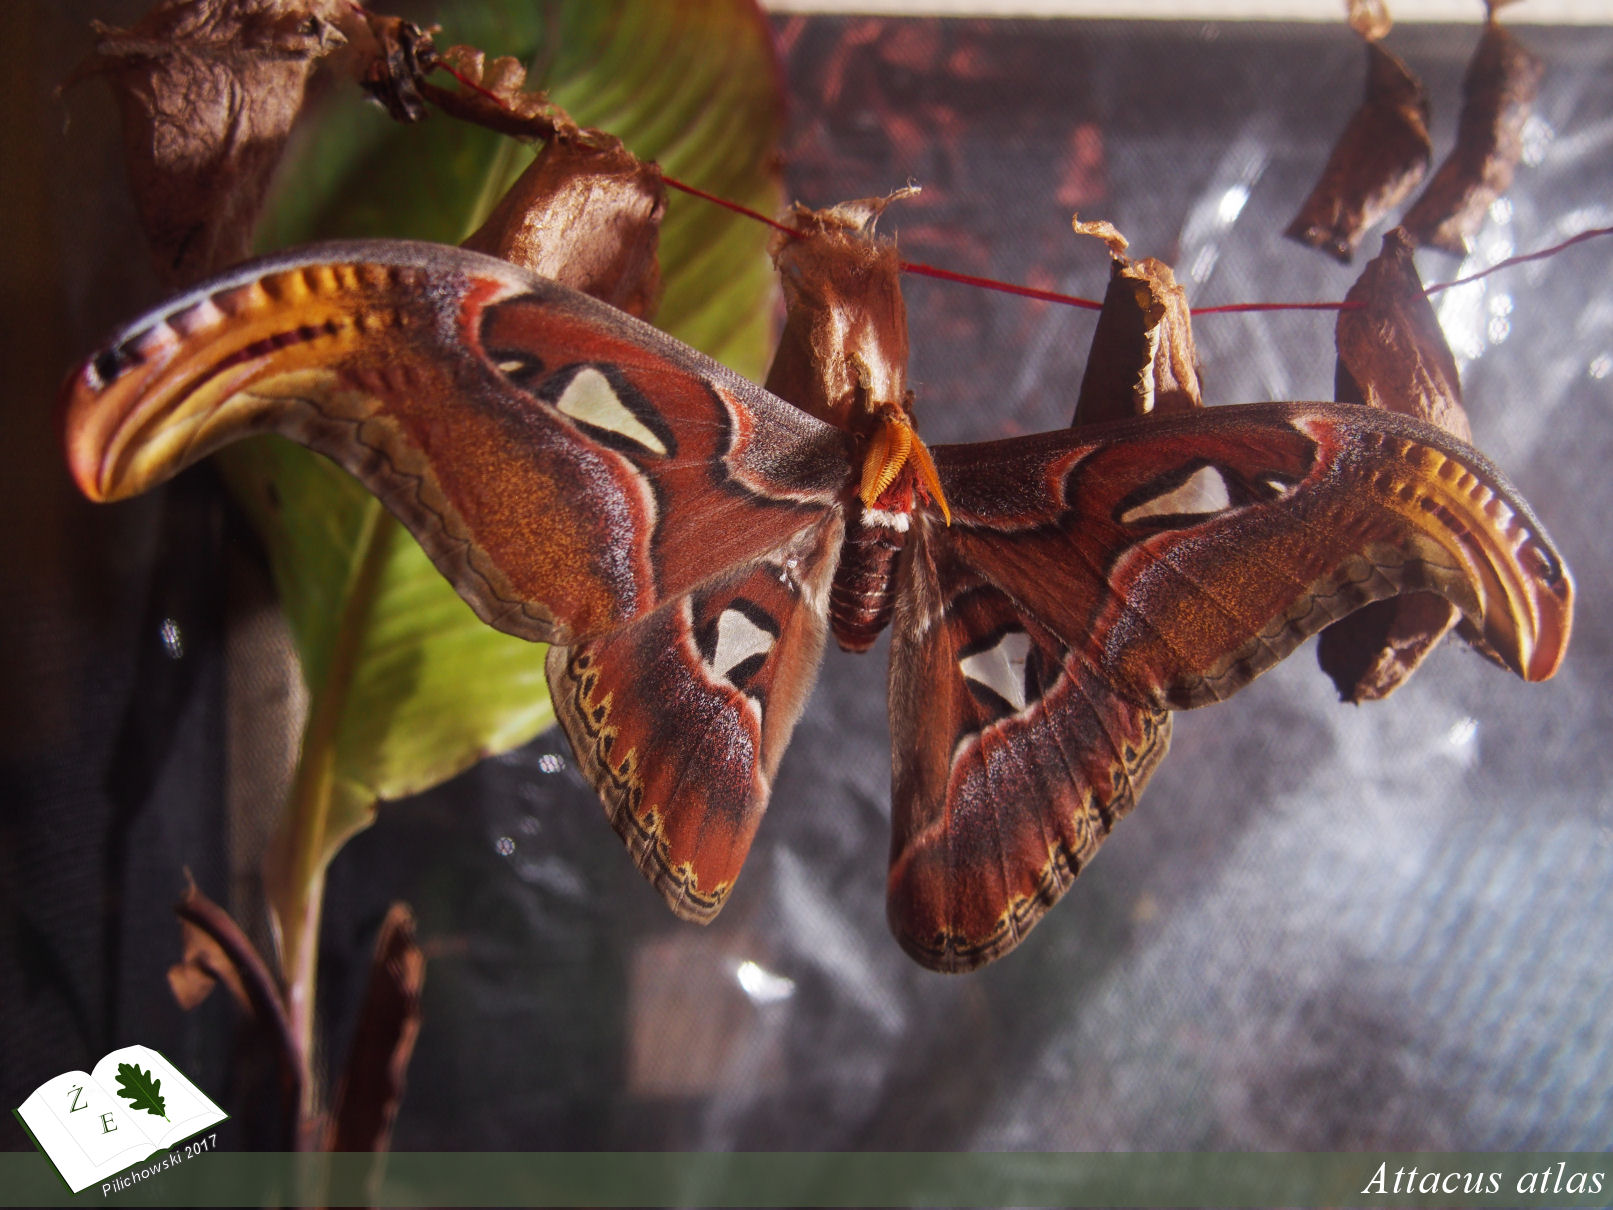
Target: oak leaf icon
{"points": [[142, 1089]]}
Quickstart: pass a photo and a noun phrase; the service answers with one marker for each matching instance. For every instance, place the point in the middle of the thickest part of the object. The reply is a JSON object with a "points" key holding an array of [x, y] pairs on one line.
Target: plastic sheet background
{"points": [[1323, 927]]}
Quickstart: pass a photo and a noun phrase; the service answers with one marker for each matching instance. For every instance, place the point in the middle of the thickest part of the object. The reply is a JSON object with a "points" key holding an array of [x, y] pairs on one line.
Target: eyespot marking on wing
{"points": [[518, 365], [590, 399], [744, 637], [1202, 493], [1001, 667]]}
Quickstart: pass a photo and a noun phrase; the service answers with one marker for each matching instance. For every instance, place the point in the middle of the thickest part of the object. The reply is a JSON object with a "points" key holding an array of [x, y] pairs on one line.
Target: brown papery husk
{"points": [[844, 345], [1369, 18], [586, 213], [1392, 354], [208, 961], [1143, 360], [1498, 95], [497, 98], [1102, 229], [1379, 159], [208, 91]]}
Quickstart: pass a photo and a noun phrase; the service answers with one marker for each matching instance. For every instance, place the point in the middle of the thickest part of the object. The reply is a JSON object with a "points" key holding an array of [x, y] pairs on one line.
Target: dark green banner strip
{"points": [[780, 1179]]}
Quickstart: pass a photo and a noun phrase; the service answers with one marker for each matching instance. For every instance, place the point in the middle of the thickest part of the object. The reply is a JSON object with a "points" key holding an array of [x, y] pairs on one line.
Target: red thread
{"points": [[1073, 300], [736, 207], [987, 283], [1521, 259], [1233, 308], [474, 86]]}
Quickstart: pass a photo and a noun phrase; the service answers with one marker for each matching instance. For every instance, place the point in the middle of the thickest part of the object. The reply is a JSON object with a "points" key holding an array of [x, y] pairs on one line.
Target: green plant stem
{"points": [[303, 845]]}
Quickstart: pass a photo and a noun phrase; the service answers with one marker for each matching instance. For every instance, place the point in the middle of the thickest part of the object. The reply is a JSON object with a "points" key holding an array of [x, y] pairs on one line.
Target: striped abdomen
{"points": [[863, 592]]}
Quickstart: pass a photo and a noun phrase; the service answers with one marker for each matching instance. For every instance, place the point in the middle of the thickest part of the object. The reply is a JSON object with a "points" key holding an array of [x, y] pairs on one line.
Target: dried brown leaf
{"points": [[204, 966], [1498, 94], [208, 90], [1143, 360], [207, 961], [1379, 159], [373, 1082], [587, 214]]}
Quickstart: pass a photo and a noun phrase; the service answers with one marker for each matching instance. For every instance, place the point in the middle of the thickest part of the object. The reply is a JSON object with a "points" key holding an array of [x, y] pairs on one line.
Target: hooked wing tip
{"points": [[1554, 622], [83, 425]]}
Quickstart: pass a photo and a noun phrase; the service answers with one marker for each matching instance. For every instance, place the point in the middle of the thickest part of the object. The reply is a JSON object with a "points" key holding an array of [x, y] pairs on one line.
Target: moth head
{"points": [[896, 466]]}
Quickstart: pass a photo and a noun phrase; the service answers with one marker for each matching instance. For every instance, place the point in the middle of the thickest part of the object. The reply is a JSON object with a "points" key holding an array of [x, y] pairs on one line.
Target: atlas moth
{"points": [[686, 540]]}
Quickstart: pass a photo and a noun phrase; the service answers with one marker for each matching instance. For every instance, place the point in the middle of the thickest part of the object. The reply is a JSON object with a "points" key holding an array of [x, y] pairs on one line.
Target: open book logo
{"points": [[132, 1106]]}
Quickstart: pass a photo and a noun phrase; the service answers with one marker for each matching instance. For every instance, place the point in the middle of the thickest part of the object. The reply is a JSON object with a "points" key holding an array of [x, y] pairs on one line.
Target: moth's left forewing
{"points": [[1185, 555], [679, 720]]}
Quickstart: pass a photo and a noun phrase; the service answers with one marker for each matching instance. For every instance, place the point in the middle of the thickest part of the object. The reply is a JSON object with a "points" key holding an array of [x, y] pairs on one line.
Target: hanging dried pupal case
{"points": [[1382, 154], [1498, 95], [1391, 355], [1142, 361]]}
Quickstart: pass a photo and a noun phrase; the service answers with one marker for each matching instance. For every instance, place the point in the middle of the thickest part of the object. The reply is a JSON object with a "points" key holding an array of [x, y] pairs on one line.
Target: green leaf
{"points": [[406, 686], [142, 1090], [424, 687], [693, 86]]}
